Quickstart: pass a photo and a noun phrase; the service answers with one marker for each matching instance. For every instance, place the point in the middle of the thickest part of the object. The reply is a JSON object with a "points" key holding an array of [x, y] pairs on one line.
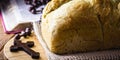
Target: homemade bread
{"points": [[70, 26]]}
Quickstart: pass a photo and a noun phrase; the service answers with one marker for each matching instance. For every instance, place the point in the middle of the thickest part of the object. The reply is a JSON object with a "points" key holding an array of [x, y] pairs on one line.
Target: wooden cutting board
{"points": [[21, 55]]}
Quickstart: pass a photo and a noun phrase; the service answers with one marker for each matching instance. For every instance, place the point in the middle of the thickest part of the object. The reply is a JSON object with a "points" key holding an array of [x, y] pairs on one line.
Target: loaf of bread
{"points": [[71, 26]]}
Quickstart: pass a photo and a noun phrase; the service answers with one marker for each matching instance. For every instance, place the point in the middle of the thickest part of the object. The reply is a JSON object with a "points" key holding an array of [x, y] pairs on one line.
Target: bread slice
{"points": [[70, 26]]}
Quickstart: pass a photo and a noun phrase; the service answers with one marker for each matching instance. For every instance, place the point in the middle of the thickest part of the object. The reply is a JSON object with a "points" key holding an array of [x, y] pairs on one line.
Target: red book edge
{"points": [[4, 28]]}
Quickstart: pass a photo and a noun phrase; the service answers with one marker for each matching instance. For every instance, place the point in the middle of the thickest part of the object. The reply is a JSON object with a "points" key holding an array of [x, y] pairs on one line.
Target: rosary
{"points": [[35, 4], [18, 44]]}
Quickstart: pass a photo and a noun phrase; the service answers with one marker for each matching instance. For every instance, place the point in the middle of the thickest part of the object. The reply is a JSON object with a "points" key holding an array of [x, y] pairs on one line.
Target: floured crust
{"points": [[70, 26]]}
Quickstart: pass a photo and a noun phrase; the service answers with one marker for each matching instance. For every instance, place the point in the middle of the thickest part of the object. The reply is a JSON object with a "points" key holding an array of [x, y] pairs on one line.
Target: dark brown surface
{"points": [[3, 39]]}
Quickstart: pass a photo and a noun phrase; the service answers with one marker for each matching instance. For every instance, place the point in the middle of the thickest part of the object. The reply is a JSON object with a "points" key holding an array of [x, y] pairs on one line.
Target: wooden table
{"points": [[6, 39], [3, 39], [21, 55]]}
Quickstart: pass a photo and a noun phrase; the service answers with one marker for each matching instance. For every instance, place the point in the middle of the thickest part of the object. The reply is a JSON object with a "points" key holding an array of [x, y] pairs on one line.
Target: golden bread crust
{"points": [[70, 26]]}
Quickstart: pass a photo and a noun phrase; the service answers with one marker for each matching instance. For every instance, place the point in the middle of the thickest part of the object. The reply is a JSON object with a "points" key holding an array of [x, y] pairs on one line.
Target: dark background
{"points": [[3, 2]]}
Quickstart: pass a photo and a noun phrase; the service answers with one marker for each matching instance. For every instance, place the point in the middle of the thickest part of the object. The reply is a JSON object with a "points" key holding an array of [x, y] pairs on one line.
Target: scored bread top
{"points": [[81, 25]]}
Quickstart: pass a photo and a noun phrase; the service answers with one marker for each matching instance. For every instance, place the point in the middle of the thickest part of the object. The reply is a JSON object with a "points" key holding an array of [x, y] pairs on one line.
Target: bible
{"points": [[16, 16]]}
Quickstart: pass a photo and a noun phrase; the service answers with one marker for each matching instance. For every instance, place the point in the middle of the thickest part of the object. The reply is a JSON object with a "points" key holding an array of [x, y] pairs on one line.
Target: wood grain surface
{"points": [[3, 39], [21, 54]]}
